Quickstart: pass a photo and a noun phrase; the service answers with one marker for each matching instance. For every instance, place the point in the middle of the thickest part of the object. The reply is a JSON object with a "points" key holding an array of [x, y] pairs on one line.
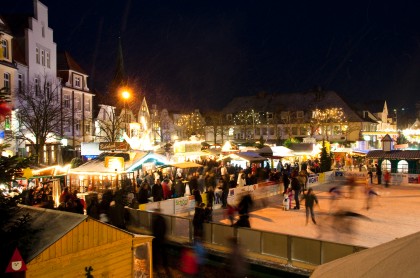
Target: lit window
{"points": [[43, 57], [66, 101], [402, 166], [36, 86], [87, 128], [386, 165], [20, 82], [37, 55], [77, 82], [67, 126], [87, 104], [6, 83], [5, 49], [78, 103], [48, 59]]}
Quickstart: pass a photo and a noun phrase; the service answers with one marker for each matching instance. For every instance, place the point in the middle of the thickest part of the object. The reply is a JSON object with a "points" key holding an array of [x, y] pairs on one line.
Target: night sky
{"points": [[200, 54]]}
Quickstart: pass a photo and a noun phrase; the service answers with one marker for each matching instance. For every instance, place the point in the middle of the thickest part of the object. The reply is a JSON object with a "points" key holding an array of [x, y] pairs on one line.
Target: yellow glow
{"points": [[126, 95]]}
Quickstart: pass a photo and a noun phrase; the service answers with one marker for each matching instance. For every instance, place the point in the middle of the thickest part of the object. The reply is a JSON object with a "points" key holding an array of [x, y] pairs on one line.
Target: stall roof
{"points": [[130, 165], [395, 154], [249, 156], [49, 234], [184, 165], [302, 148], [279, 151]]}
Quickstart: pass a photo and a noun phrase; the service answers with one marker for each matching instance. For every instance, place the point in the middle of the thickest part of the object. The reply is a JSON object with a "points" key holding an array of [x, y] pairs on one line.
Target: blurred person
{"points": [[387, 178], [197, 196], [224, 186], [208, 213], [335, 194], [210, 196], [296, 191], [378, 173], [189, 262], [160, 255], [144, 193], [157, 191], [93, 208], [237, 265], [310, 198], [241, 179], [200, 255], [166, 189], [230, 213], [370, 193], [198, 220], [351, 182], [370, 175]]}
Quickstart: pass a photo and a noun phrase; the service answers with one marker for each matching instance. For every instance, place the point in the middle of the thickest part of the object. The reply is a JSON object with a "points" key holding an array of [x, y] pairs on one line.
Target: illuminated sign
{"points": [[113, 162], [113, 146], [185, 147]]}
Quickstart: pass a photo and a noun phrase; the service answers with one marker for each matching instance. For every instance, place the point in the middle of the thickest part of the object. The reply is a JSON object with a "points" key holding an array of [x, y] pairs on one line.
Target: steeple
{"points": [[120, 79], [119, 75]]}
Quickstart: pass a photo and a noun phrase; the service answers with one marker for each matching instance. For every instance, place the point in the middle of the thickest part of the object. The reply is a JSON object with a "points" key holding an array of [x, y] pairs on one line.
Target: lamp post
{"points": [[125, 96]]}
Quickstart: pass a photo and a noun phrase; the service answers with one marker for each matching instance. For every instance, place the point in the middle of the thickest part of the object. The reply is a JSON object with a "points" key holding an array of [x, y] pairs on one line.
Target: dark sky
{"points": [[200, 54]]}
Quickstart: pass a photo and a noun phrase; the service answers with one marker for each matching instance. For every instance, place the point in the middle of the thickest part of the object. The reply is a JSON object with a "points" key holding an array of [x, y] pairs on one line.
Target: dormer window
{"points": [[5, 49], [77, 82]]}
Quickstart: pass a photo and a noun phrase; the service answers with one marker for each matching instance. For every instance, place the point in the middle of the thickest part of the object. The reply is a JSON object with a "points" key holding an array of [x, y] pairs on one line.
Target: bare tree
{"points": [[324, 120], [247, 120], [217, 125], [109, 124], [40, 115]]}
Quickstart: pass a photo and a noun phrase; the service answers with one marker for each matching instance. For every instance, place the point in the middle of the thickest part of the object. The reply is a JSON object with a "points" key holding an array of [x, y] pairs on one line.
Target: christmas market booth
{"points": [[277, 155], [112, 170], [75, 245], [403, 164]]}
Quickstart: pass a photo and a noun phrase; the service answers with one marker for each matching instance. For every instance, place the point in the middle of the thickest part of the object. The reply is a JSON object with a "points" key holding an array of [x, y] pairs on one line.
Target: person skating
{"points": [[310, 198]]}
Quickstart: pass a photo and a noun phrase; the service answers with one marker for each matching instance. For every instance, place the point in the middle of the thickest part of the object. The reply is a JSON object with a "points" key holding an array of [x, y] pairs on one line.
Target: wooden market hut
{"points": [[67, 243], [395, 161], [111, 170]]}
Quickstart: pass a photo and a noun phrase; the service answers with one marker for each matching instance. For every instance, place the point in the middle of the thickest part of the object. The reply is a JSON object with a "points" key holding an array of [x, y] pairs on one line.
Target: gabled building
{"points": [[77, 102], [39, 71], [8, 73], [35, 59]]}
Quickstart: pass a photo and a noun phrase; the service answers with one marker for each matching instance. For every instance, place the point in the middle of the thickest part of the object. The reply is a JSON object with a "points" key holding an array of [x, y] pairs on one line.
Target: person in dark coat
{"points": [[378, 173], [179, 187], [157, 191], [225, 190], [144, 193], [198, 220], [286, 181], [197, 196], [210, 196], [296, 189], [159, 243]]}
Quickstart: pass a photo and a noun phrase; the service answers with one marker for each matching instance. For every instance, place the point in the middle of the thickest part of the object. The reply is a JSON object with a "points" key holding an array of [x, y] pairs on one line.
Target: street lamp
{"points": [[125, 96]]}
